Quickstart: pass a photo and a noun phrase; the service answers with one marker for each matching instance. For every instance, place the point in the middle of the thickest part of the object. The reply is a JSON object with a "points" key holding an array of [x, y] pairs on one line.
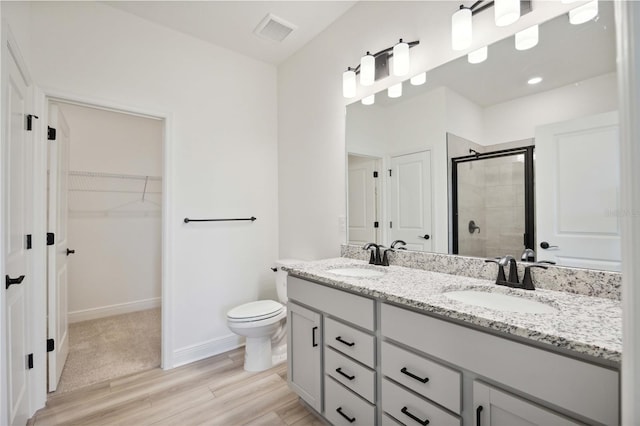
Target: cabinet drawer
{"points": [[580, 387], [359, 379], [411, 370], [343, 407], [355, 343], [411, 409], [354, 309], [387, 420]]}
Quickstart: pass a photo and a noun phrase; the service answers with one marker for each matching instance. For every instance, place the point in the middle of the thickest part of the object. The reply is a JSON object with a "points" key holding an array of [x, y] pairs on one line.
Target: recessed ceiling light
{"points": [[534, 80]]}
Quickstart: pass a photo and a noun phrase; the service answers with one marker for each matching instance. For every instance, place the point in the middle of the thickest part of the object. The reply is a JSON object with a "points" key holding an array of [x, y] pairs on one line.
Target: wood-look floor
{"points": [[214, 391]]}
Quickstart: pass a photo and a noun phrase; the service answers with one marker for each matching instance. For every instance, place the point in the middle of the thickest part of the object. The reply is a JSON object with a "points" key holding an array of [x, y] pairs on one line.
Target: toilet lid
{"points": [[255, 311]]}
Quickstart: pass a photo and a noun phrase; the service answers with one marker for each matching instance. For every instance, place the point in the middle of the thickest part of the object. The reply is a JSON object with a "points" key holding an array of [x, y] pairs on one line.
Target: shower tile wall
{"points": [[491, 192]]}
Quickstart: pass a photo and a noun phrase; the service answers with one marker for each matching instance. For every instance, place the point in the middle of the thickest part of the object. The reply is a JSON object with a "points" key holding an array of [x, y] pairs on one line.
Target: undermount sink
{"points": [[357, 272], [501, 302]]}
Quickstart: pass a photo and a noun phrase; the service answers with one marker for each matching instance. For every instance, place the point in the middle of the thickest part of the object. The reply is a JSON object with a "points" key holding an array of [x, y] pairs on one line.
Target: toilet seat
{"points": [[255, 311]]}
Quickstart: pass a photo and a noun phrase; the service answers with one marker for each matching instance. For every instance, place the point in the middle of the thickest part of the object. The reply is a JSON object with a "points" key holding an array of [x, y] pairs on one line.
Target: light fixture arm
{"points": [[388, 51]]}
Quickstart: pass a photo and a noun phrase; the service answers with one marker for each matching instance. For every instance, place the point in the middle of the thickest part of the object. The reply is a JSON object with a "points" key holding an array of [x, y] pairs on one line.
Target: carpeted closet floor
{"points": [[111, 347]]}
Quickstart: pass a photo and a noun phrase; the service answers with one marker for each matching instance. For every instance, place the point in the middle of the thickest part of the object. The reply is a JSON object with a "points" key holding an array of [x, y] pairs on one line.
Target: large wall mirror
{"points": [[478, 162]]}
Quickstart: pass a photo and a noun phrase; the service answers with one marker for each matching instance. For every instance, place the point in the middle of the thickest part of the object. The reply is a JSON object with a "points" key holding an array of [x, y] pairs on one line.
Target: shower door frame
{"points": [[529, 238]]}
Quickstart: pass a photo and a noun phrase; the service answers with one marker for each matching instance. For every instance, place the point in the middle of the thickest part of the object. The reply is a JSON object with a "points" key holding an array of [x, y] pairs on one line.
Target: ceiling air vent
{"points": [[274, 28]]}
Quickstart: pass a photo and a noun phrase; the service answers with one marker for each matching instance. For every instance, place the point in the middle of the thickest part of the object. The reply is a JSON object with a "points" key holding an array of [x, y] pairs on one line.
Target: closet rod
{"points": [[187, 220]]}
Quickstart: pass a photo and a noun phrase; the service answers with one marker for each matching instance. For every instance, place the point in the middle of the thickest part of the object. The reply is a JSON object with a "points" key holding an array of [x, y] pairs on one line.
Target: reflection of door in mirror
{"points": [[577, 192], [410, 200], [492, 205], [364, 199]]}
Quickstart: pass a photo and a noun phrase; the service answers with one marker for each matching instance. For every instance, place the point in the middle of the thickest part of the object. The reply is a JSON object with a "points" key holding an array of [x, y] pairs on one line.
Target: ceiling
{"points": [[230, 24]]}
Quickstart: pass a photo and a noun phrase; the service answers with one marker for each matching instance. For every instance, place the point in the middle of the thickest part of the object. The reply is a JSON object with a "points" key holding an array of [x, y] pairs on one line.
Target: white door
{"points": [[57, 253], [363, 199], [410, 200], [497, 408], [15, 165], [577, 171]]}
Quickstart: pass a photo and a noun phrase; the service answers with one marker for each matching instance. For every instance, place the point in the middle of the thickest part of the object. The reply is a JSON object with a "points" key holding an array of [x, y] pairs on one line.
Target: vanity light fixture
{"points": [[369, 100], [506, 12], [395, 91], [420, 79], [534, 80], [478, 56], [584, 13], [526, 39], [349, 83], [367, 69], [374, 67], [461, 29]]}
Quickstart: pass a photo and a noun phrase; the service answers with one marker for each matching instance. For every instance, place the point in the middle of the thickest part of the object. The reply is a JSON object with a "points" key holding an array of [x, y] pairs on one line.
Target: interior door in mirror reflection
{"points": [[577, 192], [364, 199], [410, 200]]}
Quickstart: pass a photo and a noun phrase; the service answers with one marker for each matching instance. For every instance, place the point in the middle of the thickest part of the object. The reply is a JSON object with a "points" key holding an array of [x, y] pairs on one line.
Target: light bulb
{"points": [[369, 100], [419, 79], [395, 91], [478, 56], [506, 12], [401, 59], [349, 83], [526, 39], [367, 69], [584, 13], [461, 29]]}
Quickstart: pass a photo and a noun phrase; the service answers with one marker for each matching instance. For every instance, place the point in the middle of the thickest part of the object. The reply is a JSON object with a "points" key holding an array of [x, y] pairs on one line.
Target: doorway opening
{"points": [[105, 214]]}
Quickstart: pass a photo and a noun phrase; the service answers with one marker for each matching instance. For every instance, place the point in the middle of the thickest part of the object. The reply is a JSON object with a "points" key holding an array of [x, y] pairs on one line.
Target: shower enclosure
{"points": [[493, 203]]}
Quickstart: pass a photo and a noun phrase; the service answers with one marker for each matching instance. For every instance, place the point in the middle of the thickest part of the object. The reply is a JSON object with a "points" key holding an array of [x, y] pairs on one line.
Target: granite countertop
{"points": [[584, 325]]}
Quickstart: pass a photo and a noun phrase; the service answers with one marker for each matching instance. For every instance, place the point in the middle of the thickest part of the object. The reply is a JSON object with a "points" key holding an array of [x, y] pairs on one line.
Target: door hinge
{"points": [[51, 345], [51, 238], [376, 224], [28, 242], [30, 118], [51, 133], [389, 172], [375, 174], [30, 361], [390, 224]]}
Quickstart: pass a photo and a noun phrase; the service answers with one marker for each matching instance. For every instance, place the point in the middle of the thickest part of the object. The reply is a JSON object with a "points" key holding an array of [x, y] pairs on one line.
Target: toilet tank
{"points": [[281, 277]]}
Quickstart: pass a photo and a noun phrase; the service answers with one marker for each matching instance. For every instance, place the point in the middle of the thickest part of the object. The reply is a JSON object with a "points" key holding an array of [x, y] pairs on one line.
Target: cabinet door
{"points": [[304, 352], [497, 408]]}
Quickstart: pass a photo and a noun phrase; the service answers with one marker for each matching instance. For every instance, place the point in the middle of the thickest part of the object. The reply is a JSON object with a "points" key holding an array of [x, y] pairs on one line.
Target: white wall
{"points": [[311, 109], [217, 165], [116, 236], [517, 119]]}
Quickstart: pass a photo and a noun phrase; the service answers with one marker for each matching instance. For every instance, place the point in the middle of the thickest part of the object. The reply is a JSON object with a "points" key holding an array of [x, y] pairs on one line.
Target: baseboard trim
{"points": [[200, 351], [107, 311]]}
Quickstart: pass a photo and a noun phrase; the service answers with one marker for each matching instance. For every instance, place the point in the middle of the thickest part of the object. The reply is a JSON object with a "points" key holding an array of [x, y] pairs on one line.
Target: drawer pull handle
{"points": [[406, 412], [342, 373], [413, 376], [478, 415], [313, 337], [339, 339], [350, 419]]}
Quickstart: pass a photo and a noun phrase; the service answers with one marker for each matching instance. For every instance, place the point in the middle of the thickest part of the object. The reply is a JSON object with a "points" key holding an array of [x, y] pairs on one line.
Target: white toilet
{"points": [[261, 321]]}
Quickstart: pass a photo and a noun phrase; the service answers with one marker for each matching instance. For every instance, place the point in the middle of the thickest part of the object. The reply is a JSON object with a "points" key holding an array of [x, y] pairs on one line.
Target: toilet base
{"points": [[257, 354]]}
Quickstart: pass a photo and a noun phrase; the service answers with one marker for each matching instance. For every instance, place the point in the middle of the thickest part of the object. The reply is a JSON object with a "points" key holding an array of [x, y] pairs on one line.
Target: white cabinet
{"points": [[304, 354], [494, 407]]}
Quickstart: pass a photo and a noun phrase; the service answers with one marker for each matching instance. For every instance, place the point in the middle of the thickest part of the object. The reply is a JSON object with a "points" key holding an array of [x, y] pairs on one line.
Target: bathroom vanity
{"points": [[393, 347]]}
